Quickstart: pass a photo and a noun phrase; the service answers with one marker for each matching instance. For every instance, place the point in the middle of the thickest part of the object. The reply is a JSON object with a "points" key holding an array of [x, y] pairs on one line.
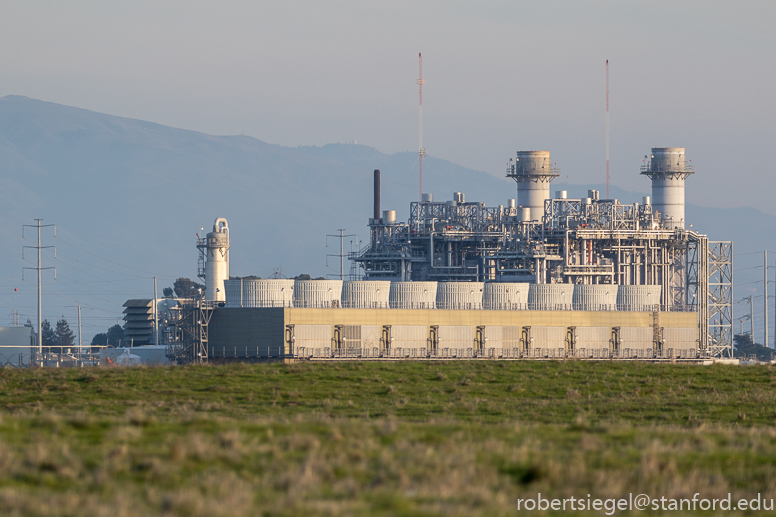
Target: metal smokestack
{"points": [[377, 194]]}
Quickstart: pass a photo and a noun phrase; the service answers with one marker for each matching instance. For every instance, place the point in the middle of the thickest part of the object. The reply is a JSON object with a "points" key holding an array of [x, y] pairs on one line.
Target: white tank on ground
{"points": [[589, 297], [233, 289], [550, 297], [271, 292], [505, 296], [413, 295], [317, 293], [638, 297], [366, 294], [459, 295], [216, 248]]}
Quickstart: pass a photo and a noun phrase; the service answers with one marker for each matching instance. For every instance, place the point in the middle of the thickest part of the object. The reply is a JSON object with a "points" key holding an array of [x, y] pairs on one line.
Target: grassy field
{"points": [[463, 438]]}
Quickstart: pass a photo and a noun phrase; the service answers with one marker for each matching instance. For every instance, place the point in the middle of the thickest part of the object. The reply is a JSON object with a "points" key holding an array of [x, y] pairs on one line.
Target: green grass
{"points": [[459, 438]]}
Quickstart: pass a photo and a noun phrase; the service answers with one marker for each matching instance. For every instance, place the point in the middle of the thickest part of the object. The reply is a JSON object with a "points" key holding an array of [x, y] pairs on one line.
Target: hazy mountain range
{"points": [[128, 197]]}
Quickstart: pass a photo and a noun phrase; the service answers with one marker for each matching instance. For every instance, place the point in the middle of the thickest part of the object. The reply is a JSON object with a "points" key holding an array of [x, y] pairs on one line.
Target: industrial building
{"points": [[539, 277]]}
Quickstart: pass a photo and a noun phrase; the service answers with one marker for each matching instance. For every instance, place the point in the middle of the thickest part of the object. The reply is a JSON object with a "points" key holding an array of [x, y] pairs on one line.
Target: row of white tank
{"points": [[369, 294]]}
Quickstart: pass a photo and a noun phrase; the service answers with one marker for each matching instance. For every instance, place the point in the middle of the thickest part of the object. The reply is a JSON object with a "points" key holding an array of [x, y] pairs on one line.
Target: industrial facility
{"points": [[539, 277]]}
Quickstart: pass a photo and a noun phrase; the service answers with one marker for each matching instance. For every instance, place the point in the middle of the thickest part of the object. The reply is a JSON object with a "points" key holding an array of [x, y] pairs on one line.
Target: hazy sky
{"points": [[501, 76]]}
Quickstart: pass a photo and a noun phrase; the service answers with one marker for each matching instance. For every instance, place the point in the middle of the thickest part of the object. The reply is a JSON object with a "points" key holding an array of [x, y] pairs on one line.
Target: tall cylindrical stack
{"points": [[217, 261], [533, 172], [668, 170], [363, 294], [638, 297], [505, 296], [317, 293], [550, 297], [413, 295], [459, 295], [589, 297]]}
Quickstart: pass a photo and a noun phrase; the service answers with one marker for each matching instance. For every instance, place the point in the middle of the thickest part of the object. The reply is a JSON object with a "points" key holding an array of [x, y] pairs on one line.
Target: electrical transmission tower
{"points": [[341, 255], [39, 269]]}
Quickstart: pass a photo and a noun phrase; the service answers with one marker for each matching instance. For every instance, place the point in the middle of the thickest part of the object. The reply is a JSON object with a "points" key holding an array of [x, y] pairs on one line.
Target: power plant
{"points": [[539, 277]]}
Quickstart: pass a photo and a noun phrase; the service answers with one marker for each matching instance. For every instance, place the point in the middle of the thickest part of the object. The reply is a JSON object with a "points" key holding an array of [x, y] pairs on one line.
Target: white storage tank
{"points": [[257, 292], [366, 294], [638, 297], [317, 293], [413, 295], [588, 297], [233, 288], [459, 295], [505, 296], [550, 297], [216, 249]]}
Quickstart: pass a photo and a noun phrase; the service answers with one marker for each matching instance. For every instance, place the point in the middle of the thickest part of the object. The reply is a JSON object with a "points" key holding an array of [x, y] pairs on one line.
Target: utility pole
{"points": [[80, 341], [751, 318], [38, 225], [156, 317], [342, 249]]}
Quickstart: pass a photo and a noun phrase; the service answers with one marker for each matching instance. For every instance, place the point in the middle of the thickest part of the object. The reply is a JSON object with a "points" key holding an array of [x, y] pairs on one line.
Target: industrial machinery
{"points": [[214, 260], [561, 241]]}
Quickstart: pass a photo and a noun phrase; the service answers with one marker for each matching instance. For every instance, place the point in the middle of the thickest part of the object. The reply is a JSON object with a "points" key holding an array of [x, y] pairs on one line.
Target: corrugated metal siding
{"points": [[247, 333], [548, 337], [456, 336], [505, 296], [593, 337], [550, 297], [413, 295], [362, 294], [635, 338], [683, 338], [409, 336]]}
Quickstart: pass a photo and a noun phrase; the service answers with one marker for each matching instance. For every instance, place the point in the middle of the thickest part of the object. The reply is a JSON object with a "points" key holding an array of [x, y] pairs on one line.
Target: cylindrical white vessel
{"points": [[257, 292], [413, 295], [366, 294], [668, 170], [505, 296], [533, 173], [459, 295], [638, 297], [550, 297], [217, 261], [588, 297], [233, 291], [317, 293]]}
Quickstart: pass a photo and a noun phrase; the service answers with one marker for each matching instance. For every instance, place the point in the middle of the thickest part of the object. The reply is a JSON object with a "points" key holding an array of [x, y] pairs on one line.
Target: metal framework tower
{"points": [[39, 269], [422, 150], [341, 236], [720, 259], [607, 129]]}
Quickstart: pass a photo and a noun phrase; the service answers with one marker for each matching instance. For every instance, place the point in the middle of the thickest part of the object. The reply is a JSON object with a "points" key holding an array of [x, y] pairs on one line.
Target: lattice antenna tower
{"points": [[422, 150], [607, 129]]}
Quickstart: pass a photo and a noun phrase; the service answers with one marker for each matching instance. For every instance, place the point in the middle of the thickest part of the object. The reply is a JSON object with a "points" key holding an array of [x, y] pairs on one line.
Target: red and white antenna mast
{"points": [[422, 150], [607, 129]]}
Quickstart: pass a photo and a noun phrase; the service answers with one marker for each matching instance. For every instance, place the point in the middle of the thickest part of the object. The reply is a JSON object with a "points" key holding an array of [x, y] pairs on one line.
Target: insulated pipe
{"points": [[377, 194]]}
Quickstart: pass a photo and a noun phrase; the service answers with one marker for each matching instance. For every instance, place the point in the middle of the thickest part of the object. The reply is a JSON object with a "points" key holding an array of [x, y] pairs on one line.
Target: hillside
{"points": [[128, 197]]}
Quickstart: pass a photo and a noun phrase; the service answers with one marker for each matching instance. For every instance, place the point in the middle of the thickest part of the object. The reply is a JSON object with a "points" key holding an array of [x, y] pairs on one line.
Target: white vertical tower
{"points": [[667, 168], [216, 248], [533, 172]]}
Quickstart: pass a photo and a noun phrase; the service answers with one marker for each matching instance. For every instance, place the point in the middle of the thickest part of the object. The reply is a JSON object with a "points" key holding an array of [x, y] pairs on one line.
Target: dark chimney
{"points": [[377, 193]]}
